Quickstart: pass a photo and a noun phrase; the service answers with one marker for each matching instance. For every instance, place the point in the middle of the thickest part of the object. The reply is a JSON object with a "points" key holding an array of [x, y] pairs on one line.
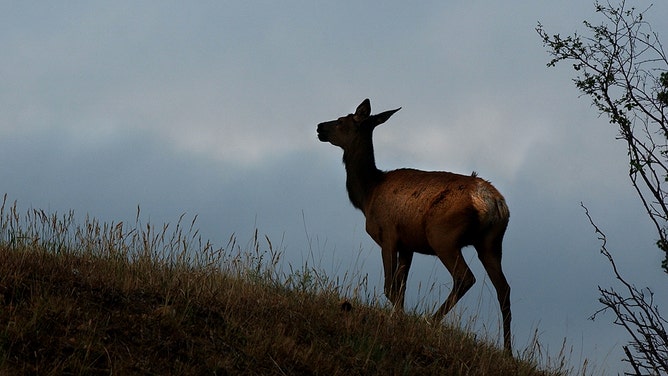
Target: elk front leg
{"points": [[390, 263], [401, 276], [396, 265]]}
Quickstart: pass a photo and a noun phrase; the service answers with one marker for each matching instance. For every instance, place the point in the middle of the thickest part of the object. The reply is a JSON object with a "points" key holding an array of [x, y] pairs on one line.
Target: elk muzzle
{"points": [[323, 131]]}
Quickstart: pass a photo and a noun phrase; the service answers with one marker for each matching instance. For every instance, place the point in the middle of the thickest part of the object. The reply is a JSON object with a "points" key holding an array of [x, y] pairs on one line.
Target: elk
{"points": [[428, 212]]}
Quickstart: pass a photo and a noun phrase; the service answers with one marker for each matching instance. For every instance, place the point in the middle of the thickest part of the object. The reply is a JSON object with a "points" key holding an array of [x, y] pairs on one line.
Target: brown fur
{"points": [[434, 213]]}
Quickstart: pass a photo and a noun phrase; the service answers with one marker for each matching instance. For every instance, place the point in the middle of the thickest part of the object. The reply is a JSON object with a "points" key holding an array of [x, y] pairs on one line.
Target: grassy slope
{"points": [[84, 304]]}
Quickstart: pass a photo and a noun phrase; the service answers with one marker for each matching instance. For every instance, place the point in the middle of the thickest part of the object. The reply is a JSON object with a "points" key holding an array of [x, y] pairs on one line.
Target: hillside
{"points": [[102, 299]]}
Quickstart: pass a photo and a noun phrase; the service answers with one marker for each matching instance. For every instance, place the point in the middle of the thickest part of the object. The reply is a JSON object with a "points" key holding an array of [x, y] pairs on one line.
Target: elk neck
{"points": [[362, 175]]}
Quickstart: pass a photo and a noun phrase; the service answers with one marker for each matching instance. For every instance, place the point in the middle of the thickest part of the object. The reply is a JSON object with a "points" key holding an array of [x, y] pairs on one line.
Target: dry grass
{"points": [[105, 299]]}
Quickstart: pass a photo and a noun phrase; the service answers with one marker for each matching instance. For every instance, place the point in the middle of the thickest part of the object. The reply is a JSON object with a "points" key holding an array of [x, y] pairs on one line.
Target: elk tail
{"points": [[491, 206]]}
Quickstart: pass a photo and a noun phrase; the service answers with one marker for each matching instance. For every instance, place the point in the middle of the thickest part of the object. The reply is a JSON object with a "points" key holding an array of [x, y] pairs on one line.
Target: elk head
{"points": [[347, 131]]}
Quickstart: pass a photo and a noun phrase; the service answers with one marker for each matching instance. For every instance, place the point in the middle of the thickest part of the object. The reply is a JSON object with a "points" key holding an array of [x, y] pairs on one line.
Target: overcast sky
{"points": [[210, 108]]}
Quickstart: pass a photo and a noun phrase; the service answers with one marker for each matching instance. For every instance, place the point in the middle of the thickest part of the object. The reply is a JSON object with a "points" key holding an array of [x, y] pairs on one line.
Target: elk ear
{"points": [[382, 117], [363, 110]]}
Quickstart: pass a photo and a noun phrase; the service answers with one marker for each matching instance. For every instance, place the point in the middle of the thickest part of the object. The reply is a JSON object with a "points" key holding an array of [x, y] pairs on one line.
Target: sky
{"points": [[209, 108]]}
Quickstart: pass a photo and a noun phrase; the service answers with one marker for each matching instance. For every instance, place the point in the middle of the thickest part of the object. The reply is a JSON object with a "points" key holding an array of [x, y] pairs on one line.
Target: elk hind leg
{"points": [[462, 279], [489, 254]]}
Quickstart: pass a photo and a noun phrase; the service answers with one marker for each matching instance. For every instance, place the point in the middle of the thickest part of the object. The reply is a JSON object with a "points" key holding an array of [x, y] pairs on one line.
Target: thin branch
{"points": [[637, 314]]}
